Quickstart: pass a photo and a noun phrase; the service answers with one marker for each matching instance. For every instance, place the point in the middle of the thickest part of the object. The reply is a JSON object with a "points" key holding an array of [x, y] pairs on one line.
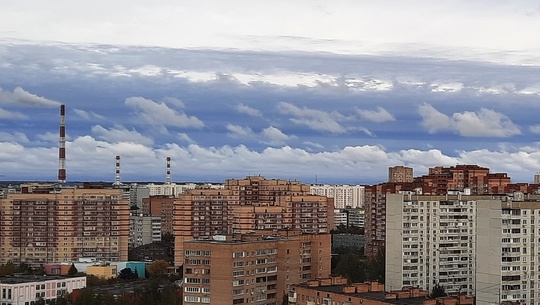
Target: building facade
{"points": [[508, 252], [247, 205], [345, 196], [431, 240], [252, 269], [64, 224], [28, 289], [400, 174], [143, 230]]}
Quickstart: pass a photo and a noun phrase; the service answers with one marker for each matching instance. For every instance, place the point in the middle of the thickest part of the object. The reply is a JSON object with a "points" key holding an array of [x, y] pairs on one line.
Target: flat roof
{"points": [[376, 296], [29, 278]]}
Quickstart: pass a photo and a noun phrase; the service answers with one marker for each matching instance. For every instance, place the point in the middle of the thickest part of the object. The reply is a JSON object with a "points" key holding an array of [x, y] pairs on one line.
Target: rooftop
{"points": [[29, 278], [376, 296]]}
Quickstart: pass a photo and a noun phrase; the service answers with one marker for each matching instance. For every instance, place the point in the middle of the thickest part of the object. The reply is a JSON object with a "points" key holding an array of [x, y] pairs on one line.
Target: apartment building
{"points": [[400, 174], [27, 289], [143, 230], [252, 269], [485, 246], [508, 252], [247, 205], [162, 207], [64, 224], [345, 196], [431, 240]]}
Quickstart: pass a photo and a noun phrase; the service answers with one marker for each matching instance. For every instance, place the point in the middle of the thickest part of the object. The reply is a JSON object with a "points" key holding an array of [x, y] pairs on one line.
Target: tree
{"points": [[375, 267], [351, 267], [72, 270], [158, 268], [437, 291], [167, 237], [127, 274]]}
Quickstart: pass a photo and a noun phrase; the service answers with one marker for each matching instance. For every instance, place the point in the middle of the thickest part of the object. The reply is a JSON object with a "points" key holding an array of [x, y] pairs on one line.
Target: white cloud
{"points": [[120, 134], [313, 144], [240, 132], [484, 123], [185, 138], [22, 97], [49, 137], [379, 116], [447, 87], [273, 136], [312, 118], [88, 155], [160, 114], [88, 115], [10, 115], [270, 135], [243, 108], [535, 129], [16, 137]]}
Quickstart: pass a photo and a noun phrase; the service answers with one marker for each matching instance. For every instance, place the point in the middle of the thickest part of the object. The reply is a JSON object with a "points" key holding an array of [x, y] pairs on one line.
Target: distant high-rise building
{"points": [[64, 224], [400, 174], [345, 196], [537, 178], [143, 230]]}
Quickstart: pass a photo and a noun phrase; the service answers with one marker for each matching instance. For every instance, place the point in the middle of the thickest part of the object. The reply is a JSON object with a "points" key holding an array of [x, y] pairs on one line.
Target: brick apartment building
{"points": [[252, 268], [248, 205], [467, 179], [160, 206], [63, 224]]}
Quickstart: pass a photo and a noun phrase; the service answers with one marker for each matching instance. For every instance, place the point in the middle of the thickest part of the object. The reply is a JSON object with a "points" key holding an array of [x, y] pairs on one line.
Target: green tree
{"points": [[72, 270], [375, 267], [158, 268], [437, 291], [8, 269], [351, 267], [167, 237]]}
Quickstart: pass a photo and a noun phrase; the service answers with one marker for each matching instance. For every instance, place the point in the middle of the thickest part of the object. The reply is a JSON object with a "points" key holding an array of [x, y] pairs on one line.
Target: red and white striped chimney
{"points": [[62, 146], [117, 174], [168, 177]]}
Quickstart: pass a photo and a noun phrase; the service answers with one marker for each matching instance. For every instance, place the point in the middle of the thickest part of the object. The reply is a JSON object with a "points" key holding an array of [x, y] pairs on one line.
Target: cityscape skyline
{"points": [[236, 97]]}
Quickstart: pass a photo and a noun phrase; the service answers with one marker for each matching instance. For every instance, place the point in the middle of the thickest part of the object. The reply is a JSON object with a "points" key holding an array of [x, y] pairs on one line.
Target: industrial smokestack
{"points": [[168, 177], [62, 146], [117, 175]]}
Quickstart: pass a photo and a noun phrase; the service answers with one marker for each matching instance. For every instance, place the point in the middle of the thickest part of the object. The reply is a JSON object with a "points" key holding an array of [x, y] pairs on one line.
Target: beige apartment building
{"points": [[249, 205], [400, 174], [56, 224], [252, 268]]}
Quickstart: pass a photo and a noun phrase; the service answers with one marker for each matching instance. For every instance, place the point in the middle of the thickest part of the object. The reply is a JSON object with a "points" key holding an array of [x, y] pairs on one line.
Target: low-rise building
{"points": [[27, 289], [103, 271]]}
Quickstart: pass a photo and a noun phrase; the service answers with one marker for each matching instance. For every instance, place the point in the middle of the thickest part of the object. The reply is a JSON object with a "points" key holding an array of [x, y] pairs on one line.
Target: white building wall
{"points": [[21, 291], [344, 195], [430, 241]]}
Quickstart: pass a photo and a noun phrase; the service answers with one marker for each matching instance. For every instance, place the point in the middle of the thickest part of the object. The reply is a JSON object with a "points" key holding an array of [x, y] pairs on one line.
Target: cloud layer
{"points": [[222, 114]]}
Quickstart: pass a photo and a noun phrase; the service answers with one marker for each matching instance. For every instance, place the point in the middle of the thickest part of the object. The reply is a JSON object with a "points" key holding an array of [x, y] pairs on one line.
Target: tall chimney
{"points": [[62, 146], [168, 177], [117, 175]]}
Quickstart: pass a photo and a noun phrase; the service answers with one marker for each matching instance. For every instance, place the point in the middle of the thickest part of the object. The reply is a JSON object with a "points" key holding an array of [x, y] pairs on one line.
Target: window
{"points": [[238, 254], [189, 298]]}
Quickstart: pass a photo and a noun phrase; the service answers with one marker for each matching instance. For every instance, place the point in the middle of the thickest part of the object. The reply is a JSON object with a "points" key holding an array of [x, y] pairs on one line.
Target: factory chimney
{"points": [[117, 174], [62, 146], [168, 177]]}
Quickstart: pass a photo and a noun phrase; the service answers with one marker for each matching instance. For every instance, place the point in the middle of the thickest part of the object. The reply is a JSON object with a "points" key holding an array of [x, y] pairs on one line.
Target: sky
{"points": [[318, 91]]}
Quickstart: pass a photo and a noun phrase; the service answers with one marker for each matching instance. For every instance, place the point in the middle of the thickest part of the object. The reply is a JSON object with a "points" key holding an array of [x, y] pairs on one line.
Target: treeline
{"points": [[153, 293], [351, 263]]}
